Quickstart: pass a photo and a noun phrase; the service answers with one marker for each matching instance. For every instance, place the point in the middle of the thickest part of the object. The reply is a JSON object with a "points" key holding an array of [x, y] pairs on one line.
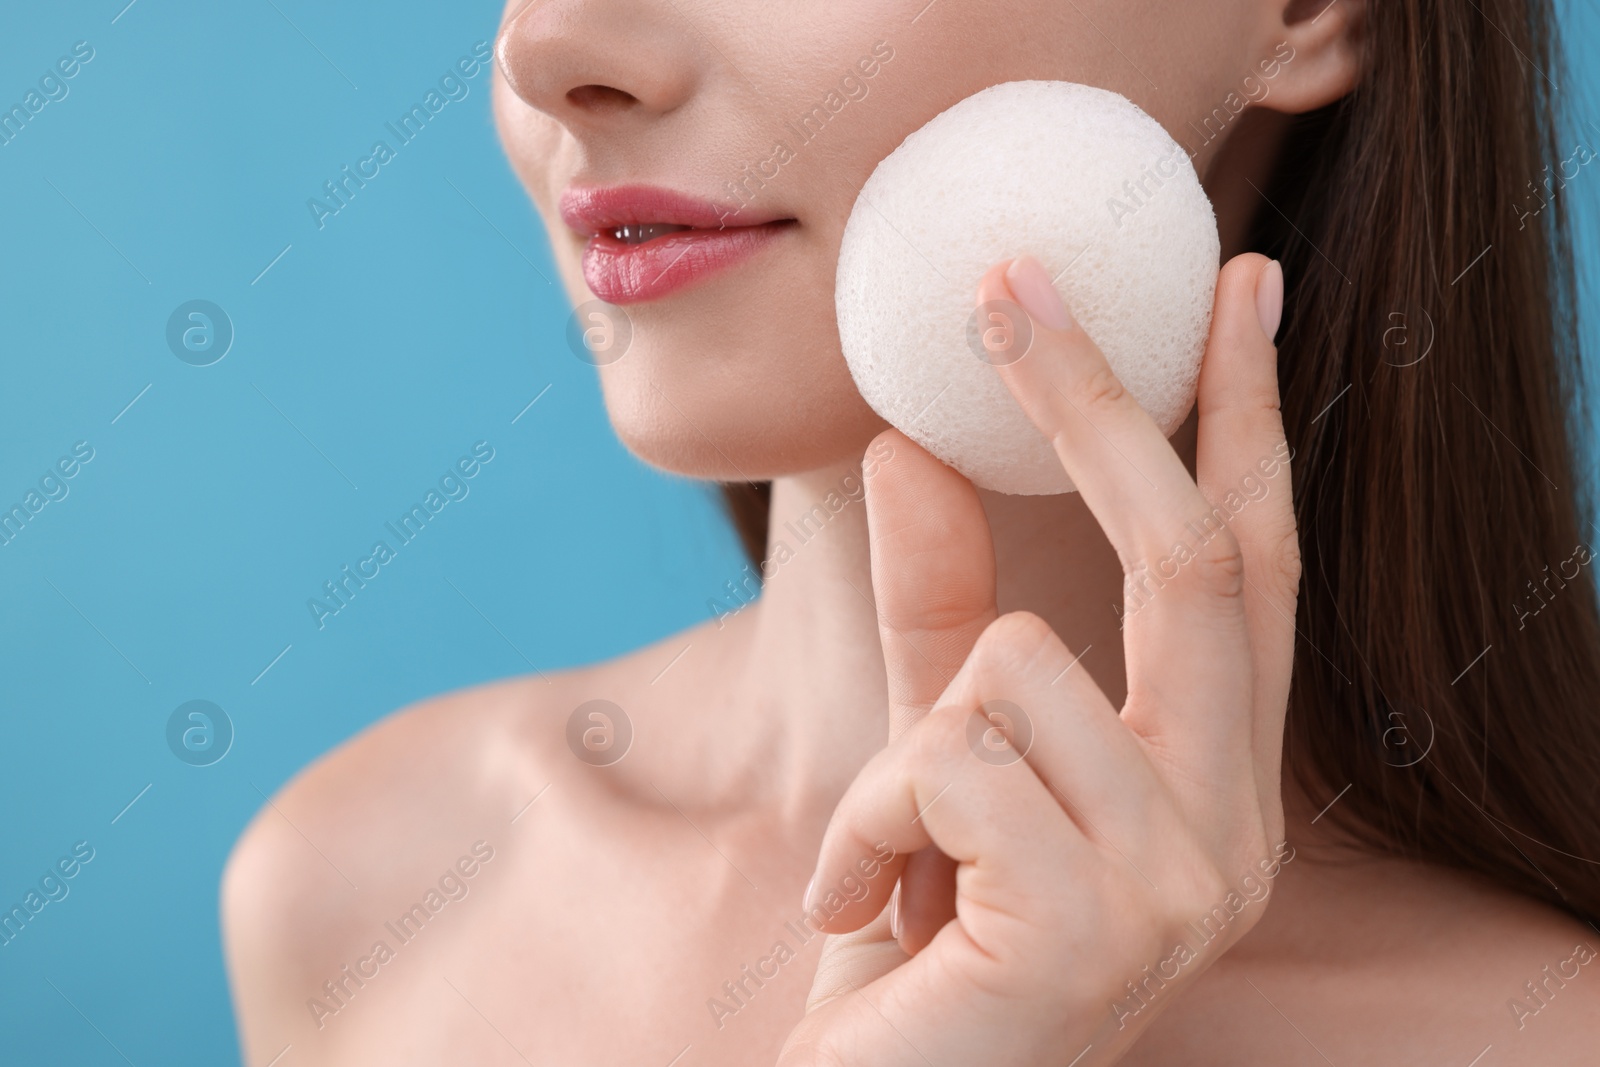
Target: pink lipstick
{"points": [[646, 242]]}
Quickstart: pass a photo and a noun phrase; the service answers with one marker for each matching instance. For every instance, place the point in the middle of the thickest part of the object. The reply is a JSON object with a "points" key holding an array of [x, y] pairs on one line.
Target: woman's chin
{"points": [[741, 441]]}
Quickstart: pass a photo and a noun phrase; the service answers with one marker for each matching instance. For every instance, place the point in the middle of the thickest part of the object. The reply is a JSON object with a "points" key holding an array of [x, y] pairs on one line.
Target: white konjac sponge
{"points": [[1092, 187]]}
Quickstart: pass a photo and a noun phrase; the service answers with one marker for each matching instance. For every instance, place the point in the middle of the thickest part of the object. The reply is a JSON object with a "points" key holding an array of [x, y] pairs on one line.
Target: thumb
{"points": [[851, 961], [933, 574]]}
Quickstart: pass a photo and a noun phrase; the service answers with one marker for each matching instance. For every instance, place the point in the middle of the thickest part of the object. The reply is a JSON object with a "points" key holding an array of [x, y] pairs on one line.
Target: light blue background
{"points": [[179, 564]]}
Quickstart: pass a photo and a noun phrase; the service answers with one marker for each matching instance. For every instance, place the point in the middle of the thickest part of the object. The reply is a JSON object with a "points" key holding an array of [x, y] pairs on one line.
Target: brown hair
{"points": [[1449, 662]]}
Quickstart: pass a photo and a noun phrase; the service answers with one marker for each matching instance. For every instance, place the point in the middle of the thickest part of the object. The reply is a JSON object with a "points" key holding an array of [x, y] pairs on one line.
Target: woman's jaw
{"points": [[695, 167]]}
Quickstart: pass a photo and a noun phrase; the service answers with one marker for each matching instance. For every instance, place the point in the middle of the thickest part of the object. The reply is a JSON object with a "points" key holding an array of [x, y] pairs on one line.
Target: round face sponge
{"points": [[1092, 187]]}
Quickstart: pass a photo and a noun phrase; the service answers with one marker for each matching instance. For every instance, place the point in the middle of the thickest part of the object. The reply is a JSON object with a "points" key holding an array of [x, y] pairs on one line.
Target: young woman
{"points": [[988, 779]]}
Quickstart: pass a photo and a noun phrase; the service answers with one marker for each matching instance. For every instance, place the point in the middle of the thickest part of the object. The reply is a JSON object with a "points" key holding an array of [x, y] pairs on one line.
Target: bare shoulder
{"points": [[1387, 962], [1520, 975], [354, 838], [327, 820]]}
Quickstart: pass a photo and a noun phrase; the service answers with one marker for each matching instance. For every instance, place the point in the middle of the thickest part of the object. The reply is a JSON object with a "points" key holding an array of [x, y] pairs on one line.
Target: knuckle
{"points": [[1268, 401], [1211, 887], [935, 588], [1285, 561], [1101, 389], [1259, 402], [1202, 902], [938, 739], [1218, 568]]}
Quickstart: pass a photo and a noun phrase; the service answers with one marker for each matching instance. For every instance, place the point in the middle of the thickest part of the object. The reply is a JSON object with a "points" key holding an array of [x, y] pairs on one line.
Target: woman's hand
{"points": [[1066, 870]]}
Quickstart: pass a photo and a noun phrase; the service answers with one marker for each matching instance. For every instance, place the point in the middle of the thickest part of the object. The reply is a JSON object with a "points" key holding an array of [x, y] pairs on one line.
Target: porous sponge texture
{"points": [[1083, 180]]}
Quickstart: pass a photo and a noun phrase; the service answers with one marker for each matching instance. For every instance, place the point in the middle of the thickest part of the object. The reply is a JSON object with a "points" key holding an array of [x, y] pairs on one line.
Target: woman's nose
{"points": [[594, 62]]}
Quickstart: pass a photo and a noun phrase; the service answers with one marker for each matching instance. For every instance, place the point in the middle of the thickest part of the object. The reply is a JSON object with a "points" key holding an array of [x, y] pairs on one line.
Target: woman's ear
{"points": [[1318, 49]]}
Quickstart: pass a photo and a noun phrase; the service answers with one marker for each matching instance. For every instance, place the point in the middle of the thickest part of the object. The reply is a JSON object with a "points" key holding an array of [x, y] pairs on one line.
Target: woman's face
{"points": [[772, 114]]}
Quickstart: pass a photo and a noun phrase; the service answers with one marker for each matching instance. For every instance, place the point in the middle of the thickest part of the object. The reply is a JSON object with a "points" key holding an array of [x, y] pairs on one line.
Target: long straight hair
{"points": [[1446, 696]]}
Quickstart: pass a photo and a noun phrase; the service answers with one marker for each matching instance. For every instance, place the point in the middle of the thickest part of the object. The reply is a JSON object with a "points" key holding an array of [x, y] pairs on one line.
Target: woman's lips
{"points": [[621, 273], [693, 239]]}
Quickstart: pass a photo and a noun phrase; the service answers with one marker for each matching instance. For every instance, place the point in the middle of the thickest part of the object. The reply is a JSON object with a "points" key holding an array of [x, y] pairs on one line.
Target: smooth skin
{"points": [[777, 743]]}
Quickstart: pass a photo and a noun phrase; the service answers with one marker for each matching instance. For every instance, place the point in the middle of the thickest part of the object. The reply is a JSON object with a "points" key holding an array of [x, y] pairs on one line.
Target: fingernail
{"points": [[894, 912], [1269, 298], [805, 899], [1034, 291]]}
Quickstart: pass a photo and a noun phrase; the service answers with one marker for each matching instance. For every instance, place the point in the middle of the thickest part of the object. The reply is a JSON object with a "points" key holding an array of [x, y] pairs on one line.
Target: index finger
{"points": [[1187, 649]]}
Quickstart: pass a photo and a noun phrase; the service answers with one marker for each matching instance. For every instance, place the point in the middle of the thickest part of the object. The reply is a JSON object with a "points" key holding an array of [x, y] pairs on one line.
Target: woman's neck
{"points": [[812, 662]]}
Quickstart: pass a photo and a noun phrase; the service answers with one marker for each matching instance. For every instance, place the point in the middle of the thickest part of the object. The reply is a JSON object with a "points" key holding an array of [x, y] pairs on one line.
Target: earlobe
{"points": [[1317, 54]]}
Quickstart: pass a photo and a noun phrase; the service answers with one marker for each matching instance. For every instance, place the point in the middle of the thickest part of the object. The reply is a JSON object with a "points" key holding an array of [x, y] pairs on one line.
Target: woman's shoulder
{"points": [[1461, 965], [1490, 971], [1388, 961], [459, 749], [356, 833]]}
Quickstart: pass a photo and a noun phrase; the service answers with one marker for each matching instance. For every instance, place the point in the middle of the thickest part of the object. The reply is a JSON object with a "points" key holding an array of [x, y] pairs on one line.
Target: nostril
{"points": [[600, 98]]}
